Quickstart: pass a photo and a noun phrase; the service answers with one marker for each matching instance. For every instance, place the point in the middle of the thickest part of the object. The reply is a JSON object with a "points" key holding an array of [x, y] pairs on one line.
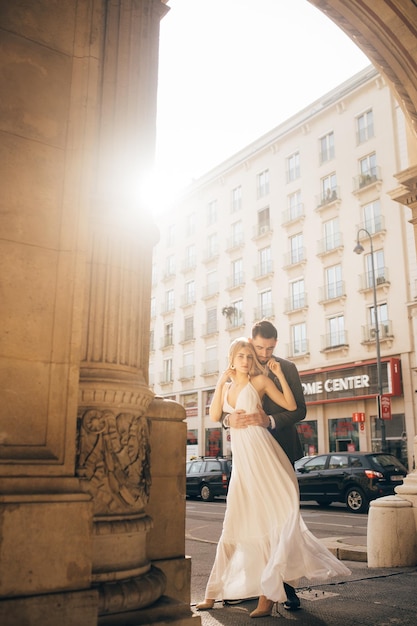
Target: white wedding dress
{"points": [[264, 541]]}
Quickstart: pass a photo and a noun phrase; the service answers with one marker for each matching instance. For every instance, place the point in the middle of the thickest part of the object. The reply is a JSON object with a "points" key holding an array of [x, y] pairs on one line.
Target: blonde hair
{"points": [[239, 343]]}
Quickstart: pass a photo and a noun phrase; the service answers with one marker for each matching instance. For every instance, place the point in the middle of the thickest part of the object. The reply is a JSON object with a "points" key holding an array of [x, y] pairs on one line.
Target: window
{"points": [[263, 184], [378, 266], [326, 147], [295, 206], [188, 328], [296, 248], [237, 233], [236, 318], [334, 285], [236, 199], [152, 340], [293, 167], [169, 300], [187, 370], [328, 188], [297, 294], [263, 221], [170, 235], [265, 304], [190, 224], [189, 292], [212, 246], [365, 126], [190, 257], [237, 272], [382, 316], [167, 376], [372, 217], [212, 283], [211, 364], [368, 170], [153, 307], [299, 339], [212, 320], [332, 238], [170, 265], [168, 335], [265, 262], [336, 327], [211, 212]]}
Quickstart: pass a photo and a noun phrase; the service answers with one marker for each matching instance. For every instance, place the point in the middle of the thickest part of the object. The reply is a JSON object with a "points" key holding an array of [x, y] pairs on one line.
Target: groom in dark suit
{"points": [[280, 423]]}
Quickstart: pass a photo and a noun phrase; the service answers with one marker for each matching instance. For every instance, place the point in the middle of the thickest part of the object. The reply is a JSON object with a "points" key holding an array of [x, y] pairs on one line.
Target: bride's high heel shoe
{"points": [[205, 606], [264, 607]]}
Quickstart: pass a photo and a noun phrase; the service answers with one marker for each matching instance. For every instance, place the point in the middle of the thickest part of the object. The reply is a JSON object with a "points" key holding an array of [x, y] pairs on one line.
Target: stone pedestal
{"points": [[391, 536], [392, 526]]}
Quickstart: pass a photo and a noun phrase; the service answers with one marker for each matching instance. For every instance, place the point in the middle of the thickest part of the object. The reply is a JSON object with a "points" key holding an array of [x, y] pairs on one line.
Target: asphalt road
{"points": [[204, 520]]}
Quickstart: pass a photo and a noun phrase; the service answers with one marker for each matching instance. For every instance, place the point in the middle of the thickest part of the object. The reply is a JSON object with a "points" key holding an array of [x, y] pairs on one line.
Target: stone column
{"points": [[77, 128]]}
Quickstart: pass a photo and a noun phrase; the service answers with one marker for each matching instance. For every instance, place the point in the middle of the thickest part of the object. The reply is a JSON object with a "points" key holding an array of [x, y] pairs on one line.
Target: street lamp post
{"points": [[359, 249]]}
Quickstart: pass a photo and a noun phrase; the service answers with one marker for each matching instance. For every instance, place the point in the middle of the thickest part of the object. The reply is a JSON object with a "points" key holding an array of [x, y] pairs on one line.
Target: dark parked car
{"points": [[208, 477], [354, 478]]}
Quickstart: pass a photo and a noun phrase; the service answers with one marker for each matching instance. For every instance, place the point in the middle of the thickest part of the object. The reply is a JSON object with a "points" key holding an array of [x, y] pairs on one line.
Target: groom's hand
{"points": [[258, 419], [237, 419]]}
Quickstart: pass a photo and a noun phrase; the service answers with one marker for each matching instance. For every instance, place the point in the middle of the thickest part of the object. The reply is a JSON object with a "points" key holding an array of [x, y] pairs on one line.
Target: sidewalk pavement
{"points": [[368, 597]]}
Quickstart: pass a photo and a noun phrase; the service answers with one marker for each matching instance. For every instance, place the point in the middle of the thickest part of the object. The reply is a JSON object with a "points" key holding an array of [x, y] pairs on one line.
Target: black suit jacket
{"points": [[285, 431]]}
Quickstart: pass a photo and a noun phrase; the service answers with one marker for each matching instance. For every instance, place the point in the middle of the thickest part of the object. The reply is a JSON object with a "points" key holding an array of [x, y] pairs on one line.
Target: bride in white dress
{"points": [[264, 541]]}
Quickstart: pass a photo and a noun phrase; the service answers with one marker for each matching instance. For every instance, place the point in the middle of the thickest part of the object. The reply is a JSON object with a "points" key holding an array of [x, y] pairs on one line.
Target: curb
{"points": [[345, 552]]}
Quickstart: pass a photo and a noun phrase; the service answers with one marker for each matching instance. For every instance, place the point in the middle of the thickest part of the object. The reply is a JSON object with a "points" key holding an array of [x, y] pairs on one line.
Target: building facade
{"points": [[270, 233]]}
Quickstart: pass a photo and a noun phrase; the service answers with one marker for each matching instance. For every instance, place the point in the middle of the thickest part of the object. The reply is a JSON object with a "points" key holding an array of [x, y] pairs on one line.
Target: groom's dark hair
{"points": [[265, 329]]}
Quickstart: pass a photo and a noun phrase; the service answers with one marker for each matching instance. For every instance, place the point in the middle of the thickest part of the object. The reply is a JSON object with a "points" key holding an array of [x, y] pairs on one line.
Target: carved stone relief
{"points": [[114, 460]]}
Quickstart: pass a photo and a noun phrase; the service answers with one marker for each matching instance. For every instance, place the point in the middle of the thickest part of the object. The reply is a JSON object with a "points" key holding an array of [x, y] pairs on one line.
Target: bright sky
{"points": [[232, 70]]}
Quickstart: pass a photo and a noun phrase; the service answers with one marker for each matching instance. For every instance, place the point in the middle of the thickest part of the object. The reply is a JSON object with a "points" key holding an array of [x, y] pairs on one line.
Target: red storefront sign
{"points": [[385, 407]]}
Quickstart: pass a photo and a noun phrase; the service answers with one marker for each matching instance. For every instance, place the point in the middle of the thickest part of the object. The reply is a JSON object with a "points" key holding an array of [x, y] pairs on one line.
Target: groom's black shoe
{"points": [[293, 601]]}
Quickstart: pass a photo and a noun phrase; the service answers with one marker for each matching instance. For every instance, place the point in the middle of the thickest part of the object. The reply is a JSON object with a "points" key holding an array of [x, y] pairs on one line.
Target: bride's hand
{"points": [[275, 367]]}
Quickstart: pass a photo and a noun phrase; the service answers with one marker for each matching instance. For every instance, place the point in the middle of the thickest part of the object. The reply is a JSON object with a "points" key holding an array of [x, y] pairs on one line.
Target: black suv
{"points": [[208, 477], [354, 478]]}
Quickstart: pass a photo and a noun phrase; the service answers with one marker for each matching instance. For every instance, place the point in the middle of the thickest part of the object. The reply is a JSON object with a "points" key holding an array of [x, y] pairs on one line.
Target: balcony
{"points": [[211, 254], [382, 280], [375, 227], [332, 292], [263, 270], [210, 368], [168, 275], [235, 281], [261, 231], [210, 291], [266, 310], [385, 332], [328, 199], [185, 337], [187, 372], [166, 378], [166, 342], [293, 215], [188, 265], [298, 349], [335, 342], [209, 329], [370, 179], [328, 245], [234, 243], [187, 299], [295, 304], [167, 307], [294, 258]]}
